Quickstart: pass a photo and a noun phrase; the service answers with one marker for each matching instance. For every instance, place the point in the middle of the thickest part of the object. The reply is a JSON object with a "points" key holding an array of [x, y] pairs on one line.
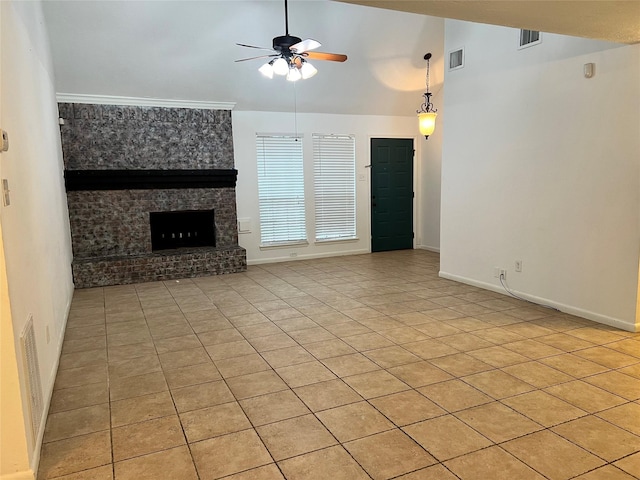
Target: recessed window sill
{"points": [[337, 240], [275, 246]]}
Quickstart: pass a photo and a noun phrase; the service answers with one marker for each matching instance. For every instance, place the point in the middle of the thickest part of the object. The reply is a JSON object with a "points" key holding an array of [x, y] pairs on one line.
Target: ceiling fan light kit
{"points": [[293, 72], [426, 113], [291, 55]]}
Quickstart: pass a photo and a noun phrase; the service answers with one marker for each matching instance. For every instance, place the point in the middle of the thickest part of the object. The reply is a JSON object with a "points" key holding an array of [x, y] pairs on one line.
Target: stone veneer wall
{"points": [[117, 137], [110, 229], [101, 272]]}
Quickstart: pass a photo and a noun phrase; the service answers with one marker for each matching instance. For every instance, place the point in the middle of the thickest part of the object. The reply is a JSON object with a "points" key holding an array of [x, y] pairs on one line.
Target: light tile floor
{"points": [[358, 367]]}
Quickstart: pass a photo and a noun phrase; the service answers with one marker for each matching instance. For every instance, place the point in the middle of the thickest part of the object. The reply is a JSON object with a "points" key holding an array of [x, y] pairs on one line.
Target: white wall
{"points": [[13, 436], [35, 227], [428, 194], [543, 165], [245, 127]]}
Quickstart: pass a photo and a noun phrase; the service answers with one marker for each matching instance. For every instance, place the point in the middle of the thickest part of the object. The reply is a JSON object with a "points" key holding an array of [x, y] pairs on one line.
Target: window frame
{"points": [[276, 155], [335, 196]]}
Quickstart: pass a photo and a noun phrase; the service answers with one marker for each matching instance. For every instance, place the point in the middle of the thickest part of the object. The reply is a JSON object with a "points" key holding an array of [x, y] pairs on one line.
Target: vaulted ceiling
{"points": [[186, 50]]}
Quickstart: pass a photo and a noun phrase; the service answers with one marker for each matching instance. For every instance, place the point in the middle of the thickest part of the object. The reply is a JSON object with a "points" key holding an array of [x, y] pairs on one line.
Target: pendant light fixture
{"points": [[427, 114]]}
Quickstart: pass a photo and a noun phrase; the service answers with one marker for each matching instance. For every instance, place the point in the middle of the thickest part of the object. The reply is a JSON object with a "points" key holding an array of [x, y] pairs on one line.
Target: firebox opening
{"points": [[182, 229]]}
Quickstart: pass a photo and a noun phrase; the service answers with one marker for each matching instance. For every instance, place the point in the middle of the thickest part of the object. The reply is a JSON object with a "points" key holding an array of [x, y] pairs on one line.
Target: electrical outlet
{"points": [[503, 273], [518, 265]]}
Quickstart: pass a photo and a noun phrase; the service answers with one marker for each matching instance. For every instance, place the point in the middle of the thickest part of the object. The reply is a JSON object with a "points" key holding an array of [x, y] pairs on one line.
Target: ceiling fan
{"points": [[291, 55]]}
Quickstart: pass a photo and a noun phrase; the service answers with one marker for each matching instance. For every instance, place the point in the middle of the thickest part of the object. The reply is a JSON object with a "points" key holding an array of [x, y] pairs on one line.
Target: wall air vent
{"points": [[529, 38], [32, 370], [456, 59]]}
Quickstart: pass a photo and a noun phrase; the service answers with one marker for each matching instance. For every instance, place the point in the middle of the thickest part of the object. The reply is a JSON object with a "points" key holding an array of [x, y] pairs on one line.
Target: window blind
{"points": [[280, 189], [335, 187]]}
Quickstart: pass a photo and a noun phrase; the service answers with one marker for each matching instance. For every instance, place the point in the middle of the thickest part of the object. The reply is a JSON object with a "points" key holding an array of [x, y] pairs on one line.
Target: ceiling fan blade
{"points": [[254, 58], [253, 46], [333, 57], [305, 45]]}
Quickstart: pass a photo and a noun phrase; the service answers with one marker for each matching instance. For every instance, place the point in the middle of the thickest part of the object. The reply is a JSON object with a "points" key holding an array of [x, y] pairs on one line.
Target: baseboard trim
{"points": [[579, 312], [35, 459], [311, 256], [426, 247], [24, 475]]}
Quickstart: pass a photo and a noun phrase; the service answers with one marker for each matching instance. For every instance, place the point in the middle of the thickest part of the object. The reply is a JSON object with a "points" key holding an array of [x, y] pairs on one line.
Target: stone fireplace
{"points": [[151, 193]]}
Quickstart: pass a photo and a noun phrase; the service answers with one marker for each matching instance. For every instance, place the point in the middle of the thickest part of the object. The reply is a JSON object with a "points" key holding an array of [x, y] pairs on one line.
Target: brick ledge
{"points": [[158, 266]]}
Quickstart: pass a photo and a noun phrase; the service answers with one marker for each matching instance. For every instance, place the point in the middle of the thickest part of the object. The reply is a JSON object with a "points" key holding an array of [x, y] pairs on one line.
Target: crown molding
{"points": [[141, 102]]}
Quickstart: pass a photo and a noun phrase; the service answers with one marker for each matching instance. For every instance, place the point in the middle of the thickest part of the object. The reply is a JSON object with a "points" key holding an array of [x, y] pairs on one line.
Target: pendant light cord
{"points": [[428, 72]]}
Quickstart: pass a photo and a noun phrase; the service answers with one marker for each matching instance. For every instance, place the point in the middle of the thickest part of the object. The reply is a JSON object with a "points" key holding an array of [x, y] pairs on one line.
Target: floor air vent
{"points": [[32, 370]]}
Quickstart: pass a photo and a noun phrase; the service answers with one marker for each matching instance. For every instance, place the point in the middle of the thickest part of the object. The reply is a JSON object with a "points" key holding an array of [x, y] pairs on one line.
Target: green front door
{"points": [[391, 194]]}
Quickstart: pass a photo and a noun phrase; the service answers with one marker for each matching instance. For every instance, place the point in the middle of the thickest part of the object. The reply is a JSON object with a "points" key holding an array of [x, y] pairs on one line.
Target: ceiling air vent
{"points": [[456, 59], [529, 38]]}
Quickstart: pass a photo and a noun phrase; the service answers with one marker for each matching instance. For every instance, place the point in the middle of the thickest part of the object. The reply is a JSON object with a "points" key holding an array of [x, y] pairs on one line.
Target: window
{"points": [[335, 188], [529, 37], [281, 189], [456, 59]]}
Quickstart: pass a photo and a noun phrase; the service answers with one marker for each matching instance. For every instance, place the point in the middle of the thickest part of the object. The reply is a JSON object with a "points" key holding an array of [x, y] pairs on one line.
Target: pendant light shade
{"points": [[294, 74], [427, 123], [267, 69], [307, 70], [281, 66]]}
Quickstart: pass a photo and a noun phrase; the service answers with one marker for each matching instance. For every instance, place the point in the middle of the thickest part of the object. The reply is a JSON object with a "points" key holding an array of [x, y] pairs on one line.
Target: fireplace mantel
{"points": [[76, 180]]}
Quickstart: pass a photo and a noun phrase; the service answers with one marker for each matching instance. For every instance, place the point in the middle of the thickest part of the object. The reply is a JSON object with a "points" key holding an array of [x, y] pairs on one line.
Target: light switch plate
{"points": [[6, 199]]}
